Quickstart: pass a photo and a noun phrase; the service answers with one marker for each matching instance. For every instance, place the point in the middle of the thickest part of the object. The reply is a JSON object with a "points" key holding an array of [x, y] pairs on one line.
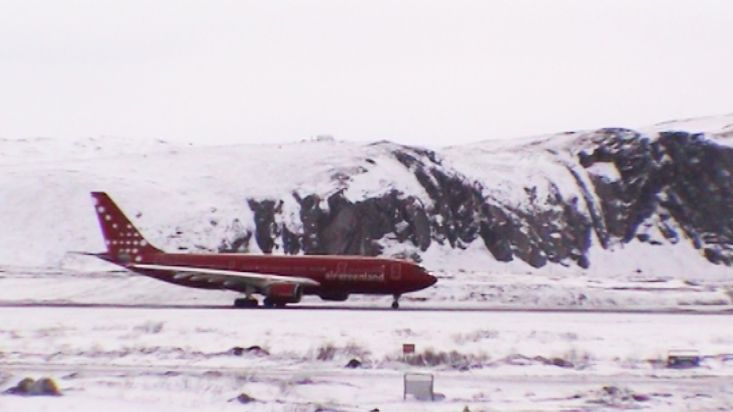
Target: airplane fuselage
{"points": [[337, 275]]}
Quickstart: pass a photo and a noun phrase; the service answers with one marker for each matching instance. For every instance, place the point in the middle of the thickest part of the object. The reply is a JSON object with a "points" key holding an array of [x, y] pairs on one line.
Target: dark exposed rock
{"points": [[681, 178], [313, 218], [562, 363], [243, 398], [679, 185], [290, 242], [353, 364], [347, 227], [253, 350], [326, 409], [267, 229], [618, 398], [519, 359], [239, 244], [640, 397], [257, 350]]}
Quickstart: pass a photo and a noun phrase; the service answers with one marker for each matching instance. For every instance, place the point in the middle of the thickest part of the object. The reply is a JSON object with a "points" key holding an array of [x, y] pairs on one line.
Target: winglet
{"points": [[124, 242]]}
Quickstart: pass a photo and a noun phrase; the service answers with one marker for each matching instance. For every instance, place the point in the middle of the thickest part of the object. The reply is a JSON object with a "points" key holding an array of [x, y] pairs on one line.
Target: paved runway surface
{"points": [[404, 308]]}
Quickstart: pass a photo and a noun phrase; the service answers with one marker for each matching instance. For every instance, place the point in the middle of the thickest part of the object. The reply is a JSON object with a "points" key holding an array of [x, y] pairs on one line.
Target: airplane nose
{"points": [[427, 280]]}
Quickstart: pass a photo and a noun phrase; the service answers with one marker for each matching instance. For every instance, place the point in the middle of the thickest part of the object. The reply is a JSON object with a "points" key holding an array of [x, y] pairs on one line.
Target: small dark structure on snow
{"points": [[683, 358]]}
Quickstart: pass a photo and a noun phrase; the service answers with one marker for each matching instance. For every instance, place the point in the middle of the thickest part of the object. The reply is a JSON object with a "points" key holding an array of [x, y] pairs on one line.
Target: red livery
{"points": [[280, 279]]}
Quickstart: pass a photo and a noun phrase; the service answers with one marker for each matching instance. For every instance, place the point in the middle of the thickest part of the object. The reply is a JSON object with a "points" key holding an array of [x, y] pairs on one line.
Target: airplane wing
{"points": [[228, 279]]}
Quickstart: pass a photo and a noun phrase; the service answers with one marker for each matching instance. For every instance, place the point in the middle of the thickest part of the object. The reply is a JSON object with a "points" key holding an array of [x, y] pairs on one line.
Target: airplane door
{"points": [[395, 272]]}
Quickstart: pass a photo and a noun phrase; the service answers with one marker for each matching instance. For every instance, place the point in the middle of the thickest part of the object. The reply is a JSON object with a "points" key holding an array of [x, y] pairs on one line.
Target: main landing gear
{"points": [[395, 302], [246, 303], [271, 303], [253, 303]]}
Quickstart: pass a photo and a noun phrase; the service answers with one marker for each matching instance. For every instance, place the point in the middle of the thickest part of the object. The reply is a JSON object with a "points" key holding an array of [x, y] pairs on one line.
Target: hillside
{"points": [[654, 201]]}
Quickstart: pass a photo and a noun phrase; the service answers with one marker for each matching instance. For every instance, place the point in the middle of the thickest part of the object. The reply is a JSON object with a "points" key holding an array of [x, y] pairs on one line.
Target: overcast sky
{"points": [[418, 72]]}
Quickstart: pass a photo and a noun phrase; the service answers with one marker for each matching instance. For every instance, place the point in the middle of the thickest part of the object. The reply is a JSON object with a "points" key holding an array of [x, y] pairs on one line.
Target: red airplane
{"points": [[280, 279]]}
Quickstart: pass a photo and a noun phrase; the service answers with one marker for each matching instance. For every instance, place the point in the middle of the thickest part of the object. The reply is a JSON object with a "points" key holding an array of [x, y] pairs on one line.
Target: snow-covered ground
{"points": [[183, 359], [170, 348]]}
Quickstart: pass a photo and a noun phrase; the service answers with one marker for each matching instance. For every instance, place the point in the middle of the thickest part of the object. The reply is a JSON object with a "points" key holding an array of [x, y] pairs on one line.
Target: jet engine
{"points": [[281, 293]]}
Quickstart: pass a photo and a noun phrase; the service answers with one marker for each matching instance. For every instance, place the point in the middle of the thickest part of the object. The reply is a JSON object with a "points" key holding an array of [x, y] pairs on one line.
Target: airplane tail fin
{"points": [[124, 242]]}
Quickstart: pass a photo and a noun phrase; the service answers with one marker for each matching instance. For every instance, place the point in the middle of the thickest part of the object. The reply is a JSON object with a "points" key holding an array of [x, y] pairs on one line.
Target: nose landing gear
{"points": [[396, 302]]}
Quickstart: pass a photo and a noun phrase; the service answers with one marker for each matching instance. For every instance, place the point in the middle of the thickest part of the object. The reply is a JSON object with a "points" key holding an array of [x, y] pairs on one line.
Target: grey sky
{"points": [[419, 72]]}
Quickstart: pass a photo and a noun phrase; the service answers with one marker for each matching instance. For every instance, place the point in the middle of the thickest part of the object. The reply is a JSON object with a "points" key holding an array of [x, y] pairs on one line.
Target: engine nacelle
{"points": [[285, 293]]}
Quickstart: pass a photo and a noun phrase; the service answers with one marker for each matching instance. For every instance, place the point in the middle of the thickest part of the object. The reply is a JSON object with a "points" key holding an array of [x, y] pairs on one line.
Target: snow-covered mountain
{"points": [[656, 201]]}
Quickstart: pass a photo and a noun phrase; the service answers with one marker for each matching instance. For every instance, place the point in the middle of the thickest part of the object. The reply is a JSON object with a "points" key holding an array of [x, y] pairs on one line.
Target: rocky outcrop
{"points": [[354, 228], [674, 187], [679, 184]]}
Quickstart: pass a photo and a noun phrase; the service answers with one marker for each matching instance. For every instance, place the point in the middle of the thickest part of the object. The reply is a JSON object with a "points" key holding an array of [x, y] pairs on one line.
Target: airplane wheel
{"points": [[396, 301], [245, 303], [269, 303]]}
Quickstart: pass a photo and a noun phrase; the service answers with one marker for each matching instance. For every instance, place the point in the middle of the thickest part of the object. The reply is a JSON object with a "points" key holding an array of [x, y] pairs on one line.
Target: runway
{"points": [[372, 308]]}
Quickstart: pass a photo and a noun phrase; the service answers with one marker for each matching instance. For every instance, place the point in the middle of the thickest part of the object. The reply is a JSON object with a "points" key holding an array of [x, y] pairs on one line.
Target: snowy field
{"points": [[184, 359], [168, 348]]}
